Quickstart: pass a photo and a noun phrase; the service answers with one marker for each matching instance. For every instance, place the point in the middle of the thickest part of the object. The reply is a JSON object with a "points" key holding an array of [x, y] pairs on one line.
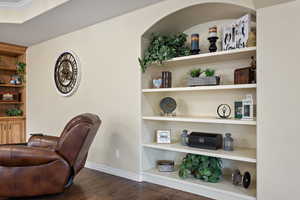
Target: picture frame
{"points": [[236, 35], [163, 136]]}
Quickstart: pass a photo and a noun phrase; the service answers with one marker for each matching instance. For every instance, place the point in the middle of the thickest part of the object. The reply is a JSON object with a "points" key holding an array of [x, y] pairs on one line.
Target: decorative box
{"points": [[165, 165], [204, 81], [245, 75]]}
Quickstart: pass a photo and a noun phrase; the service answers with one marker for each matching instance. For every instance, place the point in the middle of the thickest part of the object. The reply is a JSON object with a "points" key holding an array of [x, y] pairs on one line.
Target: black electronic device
{"points": [[206, 140]]}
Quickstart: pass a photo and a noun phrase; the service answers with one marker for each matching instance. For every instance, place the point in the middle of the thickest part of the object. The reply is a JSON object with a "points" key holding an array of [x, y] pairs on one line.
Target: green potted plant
{"points": [[164, 47], [208, 169], [14, 112], [21, 71], [203, 78]]}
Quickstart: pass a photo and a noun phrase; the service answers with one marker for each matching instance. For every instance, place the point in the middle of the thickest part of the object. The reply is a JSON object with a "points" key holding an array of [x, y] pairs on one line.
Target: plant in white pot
{"points": [[203, 78]]}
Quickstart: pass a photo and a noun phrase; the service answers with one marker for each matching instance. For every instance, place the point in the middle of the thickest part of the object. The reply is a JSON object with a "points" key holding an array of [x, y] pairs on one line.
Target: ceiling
{"points": [[66, 18], [13, 3], [72, 15]]}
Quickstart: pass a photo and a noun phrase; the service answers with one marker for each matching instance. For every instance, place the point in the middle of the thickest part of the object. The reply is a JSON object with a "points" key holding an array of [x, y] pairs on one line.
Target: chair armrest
{"points": [[43, 141], [12, 155]]}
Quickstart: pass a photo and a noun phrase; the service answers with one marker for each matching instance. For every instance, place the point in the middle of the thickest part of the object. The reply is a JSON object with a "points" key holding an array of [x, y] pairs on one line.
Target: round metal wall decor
{"points": [[224, 111], [67, 73], [168, 105]]}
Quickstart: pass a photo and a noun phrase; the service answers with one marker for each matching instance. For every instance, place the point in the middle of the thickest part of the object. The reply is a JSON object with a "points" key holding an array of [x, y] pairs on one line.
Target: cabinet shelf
{"points": [[239, 154], [11, 103], [7, 68], [201, 88], [222, 190], [7, 117], [11, 85], [201, 120], [219, 56]]}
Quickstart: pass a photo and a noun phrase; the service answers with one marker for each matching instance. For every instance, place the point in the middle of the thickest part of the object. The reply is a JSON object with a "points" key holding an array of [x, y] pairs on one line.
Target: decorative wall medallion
{"points": [[67, 73]]}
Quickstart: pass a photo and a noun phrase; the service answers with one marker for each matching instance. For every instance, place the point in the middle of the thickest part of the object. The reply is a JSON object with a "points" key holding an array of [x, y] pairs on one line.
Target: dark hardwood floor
{"points": [[94, 185]]}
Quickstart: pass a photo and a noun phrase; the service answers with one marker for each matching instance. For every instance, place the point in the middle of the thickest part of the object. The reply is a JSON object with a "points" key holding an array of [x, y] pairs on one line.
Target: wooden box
{"points": [[245, 75]]}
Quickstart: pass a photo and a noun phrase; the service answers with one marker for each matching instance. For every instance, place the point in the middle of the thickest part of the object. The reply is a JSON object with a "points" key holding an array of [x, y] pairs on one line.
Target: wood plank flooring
{"points": [[94, 185]]}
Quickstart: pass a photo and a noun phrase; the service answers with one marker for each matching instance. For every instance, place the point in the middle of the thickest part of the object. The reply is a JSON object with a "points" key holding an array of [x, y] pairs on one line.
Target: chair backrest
{"points": [[76, 139]]}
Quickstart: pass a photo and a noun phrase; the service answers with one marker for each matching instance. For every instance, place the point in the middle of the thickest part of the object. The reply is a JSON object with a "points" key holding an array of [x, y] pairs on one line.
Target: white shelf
{"points": [[201, 120], [239, 154], [223, 190], [219, 56], [202, 88]]}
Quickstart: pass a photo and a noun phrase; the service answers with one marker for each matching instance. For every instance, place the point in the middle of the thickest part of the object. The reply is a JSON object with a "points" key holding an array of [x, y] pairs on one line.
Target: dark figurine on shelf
{"points": [[195, 44], [213, 37]]}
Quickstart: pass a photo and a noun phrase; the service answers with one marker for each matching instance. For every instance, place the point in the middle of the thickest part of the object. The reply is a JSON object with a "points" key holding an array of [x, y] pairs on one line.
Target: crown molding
{"points": [[15, 4]]}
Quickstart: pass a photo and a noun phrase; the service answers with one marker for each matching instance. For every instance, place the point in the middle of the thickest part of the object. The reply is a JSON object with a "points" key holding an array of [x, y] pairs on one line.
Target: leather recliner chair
{"points": [[47, 164]]}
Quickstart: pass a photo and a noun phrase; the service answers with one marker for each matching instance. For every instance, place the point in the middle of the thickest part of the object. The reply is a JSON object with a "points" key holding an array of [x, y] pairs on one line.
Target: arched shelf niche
{"points": [[186, 18]]}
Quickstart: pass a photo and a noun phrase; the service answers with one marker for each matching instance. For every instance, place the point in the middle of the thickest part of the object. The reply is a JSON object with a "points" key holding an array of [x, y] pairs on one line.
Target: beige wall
{"points": [[278, 134], [110, 86]]}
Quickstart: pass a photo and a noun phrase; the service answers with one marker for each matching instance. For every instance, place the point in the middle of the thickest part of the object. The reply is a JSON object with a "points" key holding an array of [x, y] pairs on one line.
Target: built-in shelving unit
{"points": [[196, 107], [213, 120], [239, 154]]}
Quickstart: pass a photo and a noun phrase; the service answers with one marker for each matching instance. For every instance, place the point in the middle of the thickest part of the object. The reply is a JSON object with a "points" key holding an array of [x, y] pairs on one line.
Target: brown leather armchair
{"points": [[47, 164]]}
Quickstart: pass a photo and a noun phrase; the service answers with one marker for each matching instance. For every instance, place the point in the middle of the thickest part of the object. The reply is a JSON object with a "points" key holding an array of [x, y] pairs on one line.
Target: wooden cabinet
{"points": [[12, 131], [12, 123]]}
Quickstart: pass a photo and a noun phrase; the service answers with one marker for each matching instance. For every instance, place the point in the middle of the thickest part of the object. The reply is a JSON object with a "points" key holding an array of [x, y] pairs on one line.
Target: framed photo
{"points": [[163, 136], [236, 35]]}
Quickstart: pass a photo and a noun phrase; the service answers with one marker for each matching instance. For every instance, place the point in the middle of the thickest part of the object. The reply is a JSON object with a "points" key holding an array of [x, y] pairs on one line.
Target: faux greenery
{"points": [[21, 70], [195, 73], [14, 112], [209, 72], [164, 47], [208, 169]]}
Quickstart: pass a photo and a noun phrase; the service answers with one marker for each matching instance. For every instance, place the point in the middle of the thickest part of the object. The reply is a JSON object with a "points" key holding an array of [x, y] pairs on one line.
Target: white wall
{"points": [[111, 82], [278, 134]]}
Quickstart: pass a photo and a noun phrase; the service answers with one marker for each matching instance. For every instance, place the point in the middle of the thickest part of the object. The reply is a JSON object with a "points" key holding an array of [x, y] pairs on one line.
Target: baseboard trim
{"points": [[114, 171]]}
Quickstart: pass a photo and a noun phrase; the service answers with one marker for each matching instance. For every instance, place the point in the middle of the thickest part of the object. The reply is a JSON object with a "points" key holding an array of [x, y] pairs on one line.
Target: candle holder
{"points": [[213, 47], [195, 44]]}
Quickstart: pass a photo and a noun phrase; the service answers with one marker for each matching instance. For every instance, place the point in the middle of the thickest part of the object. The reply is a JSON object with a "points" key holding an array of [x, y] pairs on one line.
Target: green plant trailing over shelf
{"points": [[208, 169], [209, 72], [14, 112], [21, 70], [164, 47], [195, 73]]}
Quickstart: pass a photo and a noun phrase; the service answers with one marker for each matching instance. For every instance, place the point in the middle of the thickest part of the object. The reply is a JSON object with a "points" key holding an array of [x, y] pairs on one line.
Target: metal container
{"points": [[204, 81]]}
